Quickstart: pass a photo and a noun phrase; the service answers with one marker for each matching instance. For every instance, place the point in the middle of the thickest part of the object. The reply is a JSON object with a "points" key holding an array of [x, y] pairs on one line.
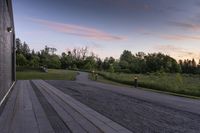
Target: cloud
{"points": [[77, 30], [180, 37], [188, 26], [177, 52], [171, 37]]}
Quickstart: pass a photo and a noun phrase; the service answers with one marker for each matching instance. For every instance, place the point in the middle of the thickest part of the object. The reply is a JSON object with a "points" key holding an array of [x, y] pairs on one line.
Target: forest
{"points": [[83, 59]]}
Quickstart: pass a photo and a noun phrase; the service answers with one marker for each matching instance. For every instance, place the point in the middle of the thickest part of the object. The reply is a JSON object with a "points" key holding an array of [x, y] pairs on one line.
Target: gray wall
{"points": [[7, 58]]}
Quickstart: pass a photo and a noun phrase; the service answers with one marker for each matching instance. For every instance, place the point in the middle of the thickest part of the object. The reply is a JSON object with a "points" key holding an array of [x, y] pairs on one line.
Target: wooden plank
{"points": [[73, 125], [100, 121], [9, 110], [76, 116], [55, 120], [18, 115], [42, 121], [24, 119]]}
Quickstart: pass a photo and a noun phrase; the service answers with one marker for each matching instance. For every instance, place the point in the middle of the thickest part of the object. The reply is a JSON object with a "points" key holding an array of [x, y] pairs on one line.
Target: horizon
{"points": [[108, 27]]}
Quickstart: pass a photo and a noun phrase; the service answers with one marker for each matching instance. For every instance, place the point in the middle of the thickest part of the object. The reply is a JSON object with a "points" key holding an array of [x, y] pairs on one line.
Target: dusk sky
{"points": [[108, 27]]}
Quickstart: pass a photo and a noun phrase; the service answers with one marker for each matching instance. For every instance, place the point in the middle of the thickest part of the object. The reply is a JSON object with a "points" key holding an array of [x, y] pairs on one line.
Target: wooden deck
{"points": [[37, 107]]}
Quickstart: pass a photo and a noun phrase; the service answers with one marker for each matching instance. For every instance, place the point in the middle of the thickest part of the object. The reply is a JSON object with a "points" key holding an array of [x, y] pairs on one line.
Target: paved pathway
{"points": [[182, 103], [38, 107], [136, 109]]}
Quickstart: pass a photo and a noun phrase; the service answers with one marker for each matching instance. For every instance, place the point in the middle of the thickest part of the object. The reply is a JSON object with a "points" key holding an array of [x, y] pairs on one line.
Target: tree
{"points": [[79, 58], [54, 62], [126, 56], [111, 68], [124, 64], [140, 55], [26, 51], [18, 46], [21, 60], [66, 60], [158, 61], [35, 61], [90, 63]]}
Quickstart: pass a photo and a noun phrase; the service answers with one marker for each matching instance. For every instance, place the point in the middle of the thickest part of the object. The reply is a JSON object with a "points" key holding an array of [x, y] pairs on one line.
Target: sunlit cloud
{"points": [[180, 37], [171, 37], [188, 26], [178, 52], [77, 30]]}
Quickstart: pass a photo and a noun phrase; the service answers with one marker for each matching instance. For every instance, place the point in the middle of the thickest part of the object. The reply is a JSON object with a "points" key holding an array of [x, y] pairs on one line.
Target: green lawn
{"points": [[53, 74], [175, 83]]}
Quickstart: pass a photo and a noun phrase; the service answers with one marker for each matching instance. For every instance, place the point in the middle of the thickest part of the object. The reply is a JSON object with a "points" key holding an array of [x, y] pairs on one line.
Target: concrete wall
{"points": [[7, 51]]}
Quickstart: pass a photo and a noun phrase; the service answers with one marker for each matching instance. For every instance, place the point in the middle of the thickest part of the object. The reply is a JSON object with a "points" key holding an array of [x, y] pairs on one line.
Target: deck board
{"points": [[42, 121], [9, 111], [38, 107]]}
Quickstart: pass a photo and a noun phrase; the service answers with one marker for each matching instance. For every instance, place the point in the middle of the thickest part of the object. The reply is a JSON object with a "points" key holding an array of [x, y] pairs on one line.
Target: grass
{"points": [[188, 85], [104, 80], [53, 74]]}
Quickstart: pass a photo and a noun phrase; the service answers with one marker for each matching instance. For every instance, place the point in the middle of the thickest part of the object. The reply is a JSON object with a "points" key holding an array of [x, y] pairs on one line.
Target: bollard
{"points": [[96, 76], [136, 82], [93, 75]]}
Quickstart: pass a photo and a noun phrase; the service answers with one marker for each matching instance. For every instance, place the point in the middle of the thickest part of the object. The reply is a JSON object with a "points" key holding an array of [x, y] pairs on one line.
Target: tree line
{"points": [[82, 58]]}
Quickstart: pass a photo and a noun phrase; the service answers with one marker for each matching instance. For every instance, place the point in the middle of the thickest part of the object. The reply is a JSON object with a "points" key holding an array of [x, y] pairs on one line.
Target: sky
{"points": [[107, 27]]}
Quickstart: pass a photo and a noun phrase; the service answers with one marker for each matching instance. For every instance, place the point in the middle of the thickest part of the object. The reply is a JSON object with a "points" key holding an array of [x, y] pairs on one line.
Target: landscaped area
{"points": [[177, 83], [52, 74]]}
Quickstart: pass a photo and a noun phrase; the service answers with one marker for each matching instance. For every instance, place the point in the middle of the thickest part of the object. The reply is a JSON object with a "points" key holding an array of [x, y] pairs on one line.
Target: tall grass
{"points": [[176, 83]]}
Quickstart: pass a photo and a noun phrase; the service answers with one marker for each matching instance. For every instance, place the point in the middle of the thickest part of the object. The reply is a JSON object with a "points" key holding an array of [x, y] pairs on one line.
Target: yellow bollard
{"points": [[136, 81], [96, 76]]}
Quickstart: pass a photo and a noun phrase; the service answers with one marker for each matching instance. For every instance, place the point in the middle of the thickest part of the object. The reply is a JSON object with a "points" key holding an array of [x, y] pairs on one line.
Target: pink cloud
{"points": [[180, 37], [173, 37], [77, 30], [189, 26]]}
